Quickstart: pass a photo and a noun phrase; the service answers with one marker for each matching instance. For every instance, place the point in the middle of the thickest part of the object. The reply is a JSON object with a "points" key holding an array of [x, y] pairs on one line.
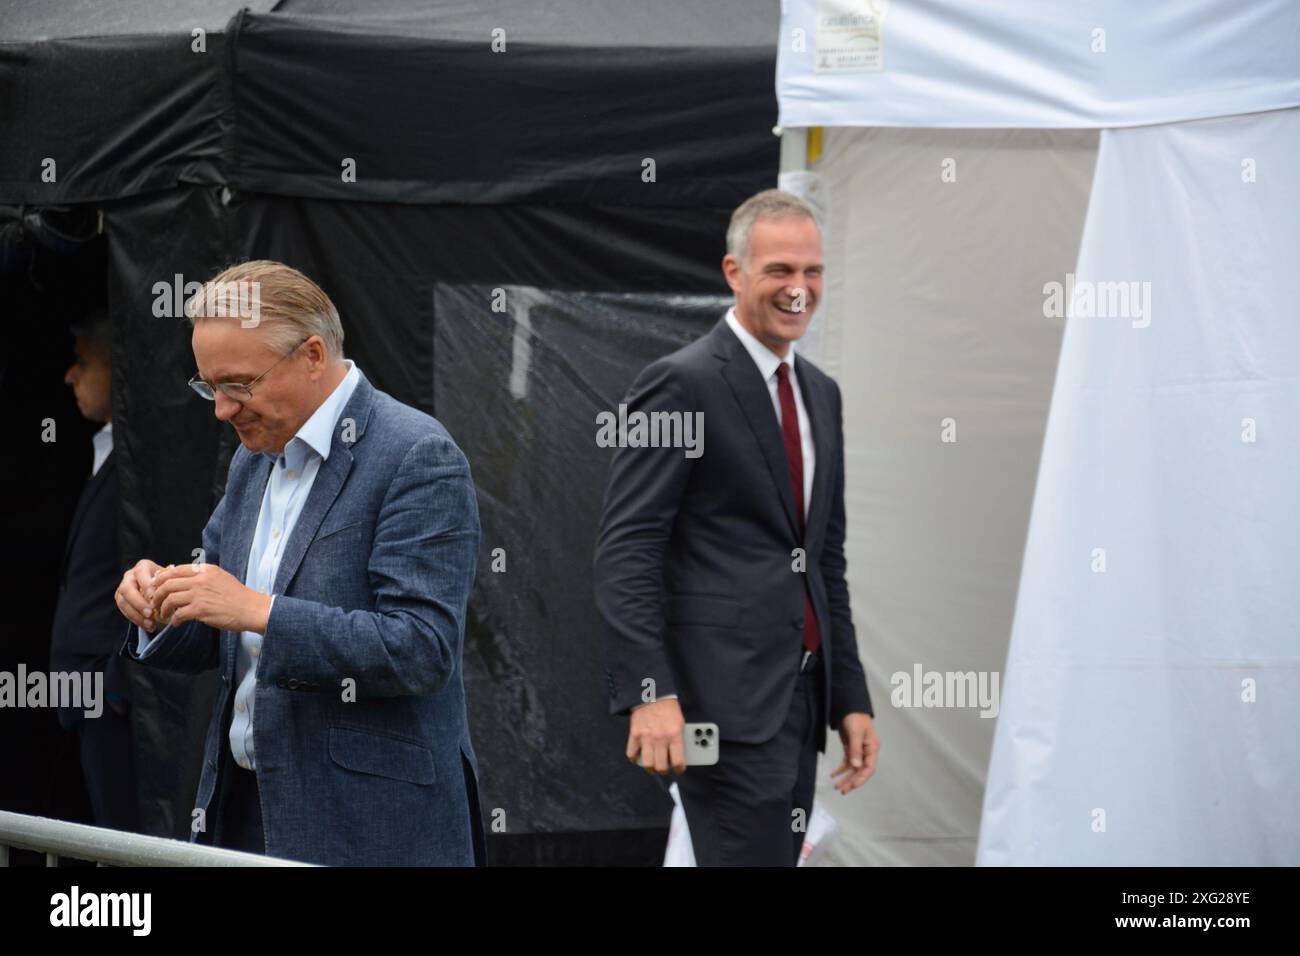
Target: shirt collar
{"points": [[317, 432], [763, 357], [102, 442]]}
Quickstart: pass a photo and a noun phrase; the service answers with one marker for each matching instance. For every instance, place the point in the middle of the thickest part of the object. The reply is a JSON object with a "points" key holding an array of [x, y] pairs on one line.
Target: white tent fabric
{"points": [[1152, 692], [934, 312], [1148, 710], [1046, 63]]}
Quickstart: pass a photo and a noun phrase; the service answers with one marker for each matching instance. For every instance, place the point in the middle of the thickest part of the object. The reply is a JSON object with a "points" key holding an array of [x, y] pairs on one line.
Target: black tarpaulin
{"points": [[568, 111], [450, 120], [546, 363], [114, 93]]}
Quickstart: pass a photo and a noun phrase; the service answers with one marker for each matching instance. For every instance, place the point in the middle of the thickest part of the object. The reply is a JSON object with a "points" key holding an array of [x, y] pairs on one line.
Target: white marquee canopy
{"points": [[1062, 304]]}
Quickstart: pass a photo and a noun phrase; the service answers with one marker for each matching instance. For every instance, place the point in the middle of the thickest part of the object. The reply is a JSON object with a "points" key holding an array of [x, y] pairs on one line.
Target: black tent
{"points": [[515, 206]]}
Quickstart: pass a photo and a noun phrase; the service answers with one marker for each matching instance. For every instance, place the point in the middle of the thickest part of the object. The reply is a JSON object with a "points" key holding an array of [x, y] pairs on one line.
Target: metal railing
{"points": [[59, 838]]}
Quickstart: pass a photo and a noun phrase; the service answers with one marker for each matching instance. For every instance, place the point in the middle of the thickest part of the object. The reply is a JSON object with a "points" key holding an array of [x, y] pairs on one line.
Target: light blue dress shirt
{"points": [[291, 479]]}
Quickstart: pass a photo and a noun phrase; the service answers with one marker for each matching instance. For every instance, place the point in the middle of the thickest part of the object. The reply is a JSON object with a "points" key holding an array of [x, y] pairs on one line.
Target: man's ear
{"points": [[731, 270]]}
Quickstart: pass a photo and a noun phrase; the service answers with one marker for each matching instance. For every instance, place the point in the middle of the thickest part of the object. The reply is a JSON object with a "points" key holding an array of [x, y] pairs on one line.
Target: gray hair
{"points": [[291, 308], [769, 204]]}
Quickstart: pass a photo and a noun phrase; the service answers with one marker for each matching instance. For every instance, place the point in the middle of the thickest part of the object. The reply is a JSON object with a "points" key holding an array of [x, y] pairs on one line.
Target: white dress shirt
{"points": [[292, 477], [767, 362], [103, 440]]}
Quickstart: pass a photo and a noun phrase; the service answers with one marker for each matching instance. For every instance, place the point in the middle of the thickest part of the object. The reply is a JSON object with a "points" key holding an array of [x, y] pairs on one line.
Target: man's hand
{"points": [[656, 731], [858, 732], [205, 592], [130, 597]]}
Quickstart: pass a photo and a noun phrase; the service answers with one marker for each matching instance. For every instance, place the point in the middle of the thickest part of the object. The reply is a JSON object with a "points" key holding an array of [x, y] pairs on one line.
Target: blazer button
{"points": [[293, 683], [282, 682]]}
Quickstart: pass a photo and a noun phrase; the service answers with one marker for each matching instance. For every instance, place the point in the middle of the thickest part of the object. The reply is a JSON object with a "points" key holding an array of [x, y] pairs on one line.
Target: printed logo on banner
{"points": [[850, 36]]}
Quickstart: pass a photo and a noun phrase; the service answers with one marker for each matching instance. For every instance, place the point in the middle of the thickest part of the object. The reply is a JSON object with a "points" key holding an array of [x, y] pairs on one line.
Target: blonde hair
{"points": [[279, 301]]}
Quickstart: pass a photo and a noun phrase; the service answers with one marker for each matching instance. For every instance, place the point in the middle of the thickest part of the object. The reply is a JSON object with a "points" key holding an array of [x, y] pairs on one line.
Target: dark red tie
{"points": [[812, 638]]}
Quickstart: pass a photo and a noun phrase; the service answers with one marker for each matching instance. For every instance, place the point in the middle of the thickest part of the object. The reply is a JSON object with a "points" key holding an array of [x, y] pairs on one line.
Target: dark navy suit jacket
{"points": [[694, 562], [87, 628]]}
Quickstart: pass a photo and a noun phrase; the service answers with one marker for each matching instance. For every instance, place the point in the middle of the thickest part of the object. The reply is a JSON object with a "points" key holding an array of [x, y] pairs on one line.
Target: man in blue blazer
{"points": [[330, 590]]}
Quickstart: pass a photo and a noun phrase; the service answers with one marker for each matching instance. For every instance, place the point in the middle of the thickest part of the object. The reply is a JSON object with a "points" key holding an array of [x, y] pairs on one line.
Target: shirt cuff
{"points": [[656, 700], [146, 640]]}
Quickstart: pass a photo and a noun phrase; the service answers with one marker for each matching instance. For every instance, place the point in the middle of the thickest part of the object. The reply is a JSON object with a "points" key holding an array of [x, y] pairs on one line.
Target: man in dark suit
{"points": [[720, 576], [87, 629]]}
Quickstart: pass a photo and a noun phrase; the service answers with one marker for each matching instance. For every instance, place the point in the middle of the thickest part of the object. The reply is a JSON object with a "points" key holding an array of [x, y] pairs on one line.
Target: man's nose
{"points": [[227, 407]]}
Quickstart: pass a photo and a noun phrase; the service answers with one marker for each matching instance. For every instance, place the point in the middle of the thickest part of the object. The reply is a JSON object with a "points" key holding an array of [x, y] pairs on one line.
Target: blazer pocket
{"points": [[381, 755], [323, 534], [709, 610]]}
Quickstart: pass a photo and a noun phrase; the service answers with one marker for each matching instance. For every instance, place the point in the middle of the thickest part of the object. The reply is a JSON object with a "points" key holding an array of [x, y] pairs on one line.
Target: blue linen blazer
{"points": [[361, 733]]}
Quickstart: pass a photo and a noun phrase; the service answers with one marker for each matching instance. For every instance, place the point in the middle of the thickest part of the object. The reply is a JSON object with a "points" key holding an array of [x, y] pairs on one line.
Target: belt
{"points": [[810, 662]]}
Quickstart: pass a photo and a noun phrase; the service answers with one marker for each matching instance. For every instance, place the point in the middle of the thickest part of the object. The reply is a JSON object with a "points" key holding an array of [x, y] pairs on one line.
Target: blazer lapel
{"points": [[329, 480], [325, 489], [816, 401], [236, 559], [755, 401]]}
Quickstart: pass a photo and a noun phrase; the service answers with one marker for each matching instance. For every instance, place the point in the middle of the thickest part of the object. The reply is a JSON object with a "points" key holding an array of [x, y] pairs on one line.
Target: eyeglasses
{"points": [[235, 390]]}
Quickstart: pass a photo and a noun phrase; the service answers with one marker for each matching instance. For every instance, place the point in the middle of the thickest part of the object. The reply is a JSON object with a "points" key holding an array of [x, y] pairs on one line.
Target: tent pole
{"points": [[794, 148]]}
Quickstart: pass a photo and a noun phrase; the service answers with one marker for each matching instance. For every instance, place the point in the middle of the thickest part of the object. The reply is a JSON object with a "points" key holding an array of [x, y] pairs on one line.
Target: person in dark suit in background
{"points": [[720, 576], [87, 628]]}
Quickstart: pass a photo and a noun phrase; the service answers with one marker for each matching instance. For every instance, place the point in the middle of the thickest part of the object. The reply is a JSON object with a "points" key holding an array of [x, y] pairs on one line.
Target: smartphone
{"points": [[702, 745]]}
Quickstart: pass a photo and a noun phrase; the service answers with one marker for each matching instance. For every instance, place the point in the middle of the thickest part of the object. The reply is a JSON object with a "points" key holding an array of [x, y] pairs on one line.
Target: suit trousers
{"points": [[239, 826], [108, 766], [742, 810]]}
